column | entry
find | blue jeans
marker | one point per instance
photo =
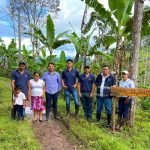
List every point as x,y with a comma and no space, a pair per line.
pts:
123,107
49,98
107,102
75,97
20,111
87,105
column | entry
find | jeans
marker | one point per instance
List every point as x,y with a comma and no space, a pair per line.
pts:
87,105
49,98
20,111
107,102
75,97
123,107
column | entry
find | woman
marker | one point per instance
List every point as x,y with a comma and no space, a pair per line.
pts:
36,93
124,101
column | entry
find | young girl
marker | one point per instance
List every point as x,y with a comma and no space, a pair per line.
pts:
19,102
36,92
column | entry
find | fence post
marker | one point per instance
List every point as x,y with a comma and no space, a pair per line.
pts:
114,114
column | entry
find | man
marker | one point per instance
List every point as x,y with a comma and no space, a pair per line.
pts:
86,88
53,86
104,81
21,78
69,83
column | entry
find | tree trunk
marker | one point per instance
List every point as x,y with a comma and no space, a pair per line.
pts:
137,23
133,66
76,58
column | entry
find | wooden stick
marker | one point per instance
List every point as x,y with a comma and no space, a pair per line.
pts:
113,114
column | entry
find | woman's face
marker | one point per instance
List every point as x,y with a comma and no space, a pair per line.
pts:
36,77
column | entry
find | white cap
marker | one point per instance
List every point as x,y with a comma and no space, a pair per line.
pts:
125,71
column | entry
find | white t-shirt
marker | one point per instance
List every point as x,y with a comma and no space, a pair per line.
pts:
126,84
102,85
19,98
36,87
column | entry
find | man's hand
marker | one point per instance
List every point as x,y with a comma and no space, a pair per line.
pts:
127,100
75,85
91,95
80,95
65,87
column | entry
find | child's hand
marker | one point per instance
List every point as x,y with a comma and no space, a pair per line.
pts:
24,106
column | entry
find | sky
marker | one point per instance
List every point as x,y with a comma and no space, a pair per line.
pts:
71,11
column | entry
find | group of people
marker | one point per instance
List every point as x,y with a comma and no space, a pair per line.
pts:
52,82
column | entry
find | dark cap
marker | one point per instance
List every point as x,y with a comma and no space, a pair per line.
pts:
69,60
87,67
22,63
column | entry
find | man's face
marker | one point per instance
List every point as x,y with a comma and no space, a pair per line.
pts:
124,76
87,70
51,67
69,64
105,71
22,67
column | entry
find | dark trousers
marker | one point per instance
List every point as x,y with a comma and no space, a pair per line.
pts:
123,107
49,99
20,111
87,105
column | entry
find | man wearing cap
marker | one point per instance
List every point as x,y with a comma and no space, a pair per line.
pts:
69,83
103,82
86,88
124,101
21,78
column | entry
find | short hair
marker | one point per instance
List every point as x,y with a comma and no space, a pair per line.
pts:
69,60
22,63
51,64
105,66
36,72
17,87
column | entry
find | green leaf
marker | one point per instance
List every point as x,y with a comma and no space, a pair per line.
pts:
62,57
50,31
59,43
43,52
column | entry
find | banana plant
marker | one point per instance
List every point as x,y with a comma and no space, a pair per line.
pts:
120,20
8,55
50,41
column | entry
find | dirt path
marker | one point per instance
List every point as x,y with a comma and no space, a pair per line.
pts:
51,136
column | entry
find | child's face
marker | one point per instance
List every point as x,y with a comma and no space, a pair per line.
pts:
17,91
36,77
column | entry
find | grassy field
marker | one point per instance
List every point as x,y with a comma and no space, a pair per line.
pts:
14,135
95,136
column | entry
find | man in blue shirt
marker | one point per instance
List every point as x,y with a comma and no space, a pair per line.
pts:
104,81
53,86
69,83
21,77
86,88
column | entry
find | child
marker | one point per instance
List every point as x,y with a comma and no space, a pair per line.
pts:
37,92
19,102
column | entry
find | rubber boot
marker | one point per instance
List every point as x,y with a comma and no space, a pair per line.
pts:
55,115
119,122
76,110
68,113
47,115
98,116
124,122
108,120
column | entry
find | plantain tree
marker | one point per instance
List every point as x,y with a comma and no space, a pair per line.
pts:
49,41
120,20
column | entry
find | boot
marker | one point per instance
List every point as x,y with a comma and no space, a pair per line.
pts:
109,120
124,122
76,110
119,122
47,115
68,113
98,116
55,115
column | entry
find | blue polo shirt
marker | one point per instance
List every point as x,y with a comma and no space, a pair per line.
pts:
21,80
86,83
69,77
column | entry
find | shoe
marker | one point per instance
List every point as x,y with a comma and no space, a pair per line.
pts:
98,116
40,120
68,113
109,120
76,110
